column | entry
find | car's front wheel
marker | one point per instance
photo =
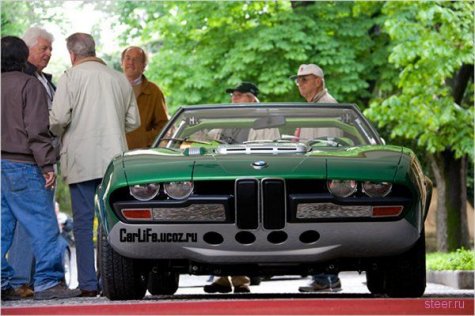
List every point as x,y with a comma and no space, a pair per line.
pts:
122,278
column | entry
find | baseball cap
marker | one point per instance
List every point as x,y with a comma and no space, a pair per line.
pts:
309,69
245,87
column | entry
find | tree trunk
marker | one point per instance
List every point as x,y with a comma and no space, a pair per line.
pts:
450,175
460,82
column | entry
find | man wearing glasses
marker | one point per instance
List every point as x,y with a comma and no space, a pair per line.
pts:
311,84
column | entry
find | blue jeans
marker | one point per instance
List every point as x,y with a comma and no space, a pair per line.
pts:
26,200
21,259
82,200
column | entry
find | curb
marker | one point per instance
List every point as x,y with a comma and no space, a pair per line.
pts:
457,279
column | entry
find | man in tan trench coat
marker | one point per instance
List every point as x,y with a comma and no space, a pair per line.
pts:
94,106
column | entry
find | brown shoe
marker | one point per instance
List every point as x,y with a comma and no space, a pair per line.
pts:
24,291
87,293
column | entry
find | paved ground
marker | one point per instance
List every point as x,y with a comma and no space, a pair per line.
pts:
265,299
278,296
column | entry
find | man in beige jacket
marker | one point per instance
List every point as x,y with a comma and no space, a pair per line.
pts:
93,108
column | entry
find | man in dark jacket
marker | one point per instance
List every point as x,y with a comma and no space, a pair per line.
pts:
20,255
27,160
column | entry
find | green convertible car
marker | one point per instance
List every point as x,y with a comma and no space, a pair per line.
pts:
263,189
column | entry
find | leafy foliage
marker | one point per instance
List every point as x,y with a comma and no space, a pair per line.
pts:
461,259
430,42
17,16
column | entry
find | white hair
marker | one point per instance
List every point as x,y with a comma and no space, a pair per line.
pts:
33,33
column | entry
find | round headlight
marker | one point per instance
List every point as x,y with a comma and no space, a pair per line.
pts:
144,192
178,190
377,189
342,188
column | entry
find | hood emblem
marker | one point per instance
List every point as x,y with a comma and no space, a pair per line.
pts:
260,164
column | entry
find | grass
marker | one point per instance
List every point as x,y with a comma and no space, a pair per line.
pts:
462,259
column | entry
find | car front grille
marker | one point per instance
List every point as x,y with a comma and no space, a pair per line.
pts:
260,200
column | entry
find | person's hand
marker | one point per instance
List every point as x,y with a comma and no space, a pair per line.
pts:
50,178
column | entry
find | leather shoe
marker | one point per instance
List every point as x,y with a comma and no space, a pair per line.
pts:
59,291
10,295
87,293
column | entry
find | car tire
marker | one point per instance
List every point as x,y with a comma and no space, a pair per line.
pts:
162,282
404,275
122,278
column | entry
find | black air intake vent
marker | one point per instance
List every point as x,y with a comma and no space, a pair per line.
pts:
273,203
247,203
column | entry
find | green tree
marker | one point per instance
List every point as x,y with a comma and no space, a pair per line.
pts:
17,16
200,48
432,100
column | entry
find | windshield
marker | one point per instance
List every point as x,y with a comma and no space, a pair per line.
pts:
325,126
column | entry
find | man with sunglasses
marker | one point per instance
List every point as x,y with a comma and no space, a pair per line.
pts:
311,84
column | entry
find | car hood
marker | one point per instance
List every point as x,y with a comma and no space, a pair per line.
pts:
369,162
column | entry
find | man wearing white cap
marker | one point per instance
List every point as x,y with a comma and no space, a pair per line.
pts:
311,84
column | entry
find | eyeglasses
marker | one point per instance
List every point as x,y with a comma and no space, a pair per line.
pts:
302,79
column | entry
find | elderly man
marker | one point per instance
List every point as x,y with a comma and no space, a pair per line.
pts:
311,84
93,108
20,255
150,99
